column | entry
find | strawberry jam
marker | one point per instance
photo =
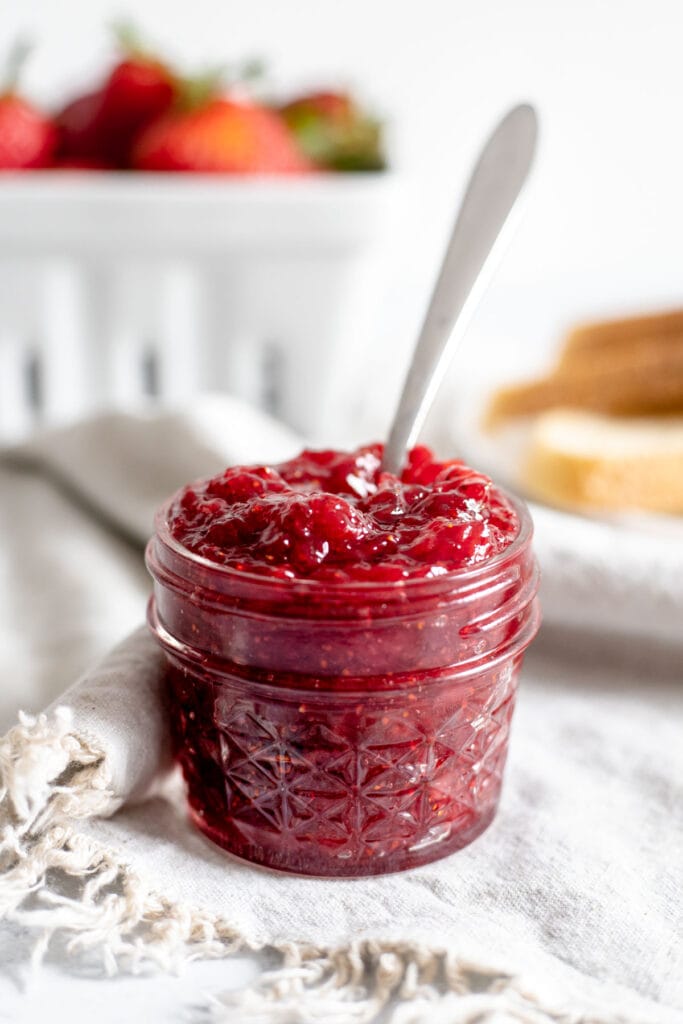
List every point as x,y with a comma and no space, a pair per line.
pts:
343,648
334,517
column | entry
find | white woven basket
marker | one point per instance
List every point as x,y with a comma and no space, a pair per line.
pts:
114,286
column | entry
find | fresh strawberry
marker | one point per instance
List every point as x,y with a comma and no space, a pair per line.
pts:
102,125
81,133
335,132
137,91
27,137
222,135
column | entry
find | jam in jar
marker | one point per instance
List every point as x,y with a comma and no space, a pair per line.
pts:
343,651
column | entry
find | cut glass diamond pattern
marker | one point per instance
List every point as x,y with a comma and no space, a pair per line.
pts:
379,785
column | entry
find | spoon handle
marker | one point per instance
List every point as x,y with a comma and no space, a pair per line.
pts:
494,185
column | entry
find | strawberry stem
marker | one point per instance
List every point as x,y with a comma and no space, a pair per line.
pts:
197,90
250,70
14,64
129,41
127,38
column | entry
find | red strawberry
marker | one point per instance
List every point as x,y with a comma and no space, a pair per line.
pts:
222,135
81,135
137,91
27,137
335,132
102,125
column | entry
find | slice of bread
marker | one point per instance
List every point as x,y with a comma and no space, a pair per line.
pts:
605,338
628,367
644,386
586,461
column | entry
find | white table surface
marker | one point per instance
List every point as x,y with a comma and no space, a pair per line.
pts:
57,994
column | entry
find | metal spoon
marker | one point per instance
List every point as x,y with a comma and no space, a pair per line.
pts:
470,257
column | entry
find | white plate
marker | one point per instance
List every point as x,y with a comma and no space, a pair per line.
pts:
620,573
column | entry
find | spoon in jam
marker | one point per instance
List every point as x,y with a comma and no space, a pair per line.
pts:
475,243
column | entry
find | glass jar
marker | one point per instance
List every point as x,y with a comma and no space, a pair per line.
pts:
342,729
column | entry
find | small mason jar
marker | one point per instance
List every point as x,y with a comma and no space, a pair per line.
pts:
342,729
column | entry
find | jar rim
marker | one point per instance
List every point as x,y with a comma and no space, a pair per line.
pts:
418,584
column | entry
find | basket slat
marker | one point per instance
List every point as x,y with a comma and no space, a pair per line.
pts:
115,288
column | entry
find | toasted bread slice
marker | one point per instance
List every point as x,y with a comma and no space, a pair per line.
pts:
610,338
581,460
624,367
647,385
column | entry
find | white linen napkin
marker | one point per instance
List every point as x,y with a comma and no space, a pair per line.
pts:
567,908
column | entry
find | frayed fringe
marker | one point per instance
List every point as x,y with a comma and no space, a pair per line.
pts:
49,779
62,884
358,983
48,776
117,917
47,772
